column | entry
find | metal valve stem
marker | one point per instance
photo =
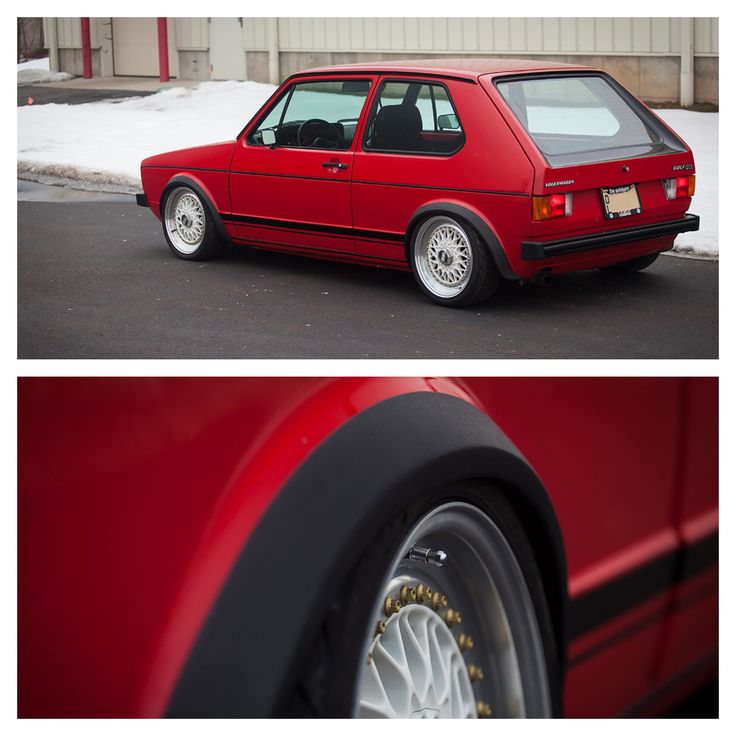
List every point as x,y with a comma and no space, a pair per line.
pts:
431,556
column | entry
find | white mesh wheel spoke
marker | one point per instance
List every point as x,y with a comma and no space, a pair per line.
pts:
443,256
415,670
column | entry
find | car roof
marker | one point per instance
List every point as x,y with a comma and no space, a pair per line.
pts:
470,69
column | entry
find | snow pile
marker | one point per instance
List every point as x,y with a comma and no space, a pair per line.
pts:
103,143
99,145
700,132
34,64
37,70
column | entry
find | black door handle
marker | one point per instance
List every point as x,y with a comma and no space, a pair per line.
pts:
334,165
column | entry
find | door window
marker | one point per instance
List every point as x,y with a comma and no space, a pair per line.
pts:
315,115
414,117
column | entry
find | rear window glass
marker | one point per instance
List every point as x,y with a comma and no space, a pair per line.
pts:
577,120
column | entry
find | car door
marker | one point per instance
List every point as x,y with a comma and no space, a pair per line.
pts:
290,173
410,154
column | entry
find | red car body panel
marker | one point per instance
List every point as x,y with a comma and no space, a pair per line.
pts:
136,496
206,165
283,198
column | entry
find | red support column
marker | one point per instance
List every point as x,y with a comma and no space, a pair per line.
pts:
86,50
163,50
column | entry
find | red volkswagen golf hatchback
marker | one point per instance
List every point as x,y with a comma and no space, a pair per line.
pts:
464,171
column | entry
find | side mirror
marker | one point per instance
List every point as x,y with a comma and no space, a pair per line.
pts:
268,136
448,122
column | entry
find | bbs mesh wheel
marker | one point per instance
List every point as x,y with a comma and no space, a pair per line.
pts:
459,626
188,225
451,264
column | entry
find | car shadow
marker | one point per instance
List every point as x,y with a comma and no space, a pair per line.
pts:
579,288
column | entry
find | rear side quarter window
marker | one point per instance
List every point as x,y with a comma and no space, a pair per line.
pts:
412,116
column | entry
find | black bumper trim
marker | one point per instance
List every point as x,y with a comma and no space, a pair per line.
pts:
140,200
534,251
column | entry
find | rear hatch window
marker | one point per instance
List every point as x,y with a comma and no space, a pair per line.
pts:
584,119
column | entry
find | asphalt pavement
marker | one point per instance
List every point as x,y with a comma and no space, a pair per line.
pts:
60,94
97,280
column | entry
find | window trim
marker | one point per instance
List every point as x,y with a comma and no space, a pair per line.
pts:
409,80
288,91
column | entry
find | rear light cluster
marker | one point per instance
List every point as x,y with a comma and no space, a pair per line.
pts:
551,205
680,186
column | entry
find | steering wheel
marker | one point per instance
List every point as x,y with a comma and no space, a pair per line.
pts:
325,133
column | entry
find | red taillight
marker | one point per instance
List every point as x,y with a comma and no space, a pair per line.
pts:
680,186
551,205
556,205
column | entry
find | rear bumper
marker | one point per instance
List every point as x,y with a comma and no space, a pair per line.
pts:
140,200
538,250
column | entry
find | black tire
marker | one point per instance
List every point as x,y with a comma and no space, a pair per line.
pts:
635,264
326,683
208,243
479,285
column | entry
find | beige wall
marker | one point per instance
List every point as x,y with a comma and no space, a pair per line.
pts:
483,35
643,53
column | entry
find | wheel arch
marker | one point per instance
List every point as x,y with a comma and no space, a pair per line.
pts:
257,634
472,217
201,189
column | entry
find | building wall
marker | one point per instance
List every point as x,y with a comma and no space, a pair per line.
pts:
643,53
512,36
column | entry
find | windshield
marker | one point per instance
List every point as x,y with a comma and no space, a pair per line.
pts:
584,119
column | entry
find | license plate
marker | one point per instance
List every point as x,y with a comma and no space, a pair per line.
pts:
620,201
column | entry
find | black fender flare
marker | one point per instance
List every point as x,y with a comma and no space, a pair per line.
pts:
481,226
258,633
180,179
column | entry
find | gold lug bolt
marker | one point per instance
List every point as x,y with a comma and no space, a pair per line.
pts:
407,595
424,594
475,673
465,642
484,710
452,617
370,658
439,601
380,627
390,606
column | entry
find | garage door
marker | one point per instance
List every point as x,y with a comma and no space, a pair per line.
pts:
135,47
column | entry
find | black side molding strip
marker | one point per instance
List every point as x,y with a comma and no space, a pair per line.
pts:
349,232
140,200
537,250
595,608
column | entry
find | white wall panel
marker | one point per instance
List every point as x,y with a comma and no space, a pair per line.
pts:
568,33
706,35
620,36
69,33
192,34
603,41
